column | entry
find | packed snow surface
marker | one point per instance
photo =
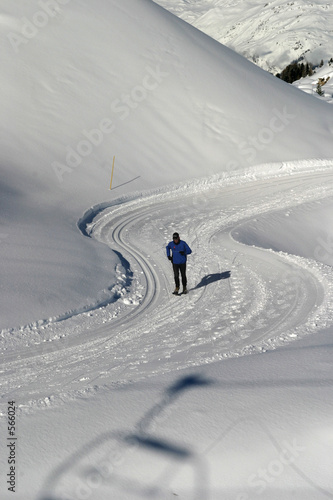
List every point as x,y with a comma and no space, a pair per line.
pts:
111,387
156,380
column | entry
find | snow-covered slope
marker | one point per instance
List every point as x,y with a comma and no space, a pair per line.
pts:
147,395
154,401
322,76
272,34
82,84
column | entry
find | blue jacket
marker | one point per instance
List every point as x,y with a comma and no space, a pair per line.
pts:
177,257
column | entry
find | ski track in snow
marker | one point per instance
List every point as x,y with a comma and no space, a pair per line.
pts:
241,299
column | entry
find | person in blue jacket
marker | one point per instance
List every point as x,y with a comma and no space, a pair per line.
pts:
177,251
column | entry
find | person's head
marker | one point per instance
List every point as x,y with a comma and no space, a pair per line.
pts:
175,237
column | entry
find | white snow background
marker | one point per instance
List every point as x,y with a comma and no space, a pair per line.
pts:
123,390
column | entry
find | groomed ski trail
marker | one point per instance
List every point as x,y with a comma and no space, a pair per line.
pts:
241,299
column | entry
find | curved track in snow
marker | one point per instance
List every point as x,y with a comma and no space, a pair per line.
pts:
241,299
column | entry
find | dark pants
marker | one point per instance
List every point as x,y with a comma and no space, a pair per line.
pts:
182,269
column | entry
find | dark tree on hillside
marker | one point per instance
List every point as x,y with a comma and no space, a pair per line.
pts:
309,70
295,71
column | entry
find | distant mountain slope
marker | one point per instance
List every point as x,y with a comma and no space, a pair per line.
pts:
272,33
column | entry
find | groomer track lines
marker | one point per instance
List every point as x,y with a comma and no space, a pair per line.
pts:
242,298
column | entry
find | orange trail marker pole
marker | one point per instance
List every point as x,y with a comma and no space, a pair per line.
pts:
112,172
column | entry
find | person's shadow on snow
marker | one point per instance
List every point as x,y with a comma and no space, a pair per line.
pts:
211,278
